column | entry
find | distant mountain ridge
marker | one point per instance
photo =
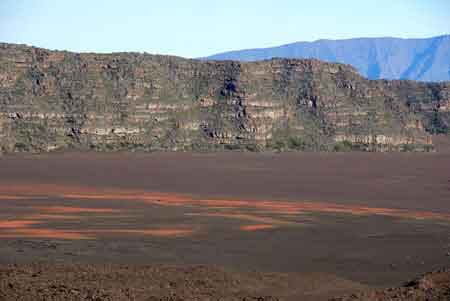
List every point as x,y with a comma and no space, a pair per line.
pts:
375,58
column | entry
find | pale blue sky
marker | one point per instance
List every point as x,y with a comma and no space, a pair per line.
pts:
194,28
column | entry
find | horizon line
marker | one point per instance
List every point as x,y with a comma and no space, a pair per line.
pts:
217,53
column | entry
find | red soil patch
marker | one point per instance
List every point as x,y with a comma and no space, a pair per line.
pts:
13,224
256,227
39,216
64,209
16,229
44,233
150,232
246,217
167,199
12,197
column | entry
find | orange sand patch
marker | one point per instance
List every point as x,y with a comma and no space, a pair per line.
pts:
265,214
13,197
64,209
13,224
44,233
246,217
89,234
149,232
169,199
256,227
39,216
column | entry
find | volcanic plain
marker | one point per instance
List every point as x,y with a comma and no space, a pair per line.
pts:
205,226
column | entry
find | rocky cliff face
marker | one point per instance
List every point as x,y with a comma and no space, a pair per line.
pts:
56,100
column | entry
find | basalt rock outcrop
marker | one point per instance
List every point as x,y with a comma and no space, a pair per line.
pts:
52,100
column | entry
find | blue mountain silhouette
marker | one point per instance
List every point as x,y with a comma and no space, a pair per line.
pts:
376,58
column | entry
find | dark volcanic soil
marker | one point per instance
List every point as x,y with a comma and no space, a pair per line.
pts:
399,180
364,219
432,286
158,282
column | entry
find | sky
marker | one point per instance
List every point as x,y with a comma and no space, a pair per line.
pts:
196,28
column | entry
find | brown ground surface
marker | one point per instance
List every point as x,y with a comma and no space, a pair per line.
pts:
442,143
162,282
432,286
364,220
